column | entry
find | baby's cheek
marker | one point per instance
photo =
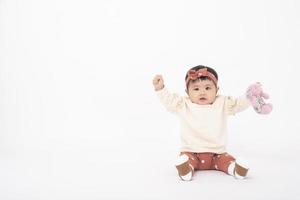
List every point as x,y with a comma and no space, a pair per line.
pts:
193,96
213,96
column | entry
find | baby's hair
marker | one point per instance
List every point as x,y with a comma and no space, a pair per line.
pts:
211,70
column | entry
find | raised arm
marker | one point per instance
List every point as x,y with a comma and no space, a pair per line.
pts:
172,102
235,105
254,97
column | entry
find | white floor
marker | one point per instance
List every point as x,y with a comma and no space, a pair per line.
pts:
139,165
79,118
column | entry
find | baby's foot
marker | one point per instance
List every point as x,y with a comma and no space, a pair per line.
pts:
238,170
185,170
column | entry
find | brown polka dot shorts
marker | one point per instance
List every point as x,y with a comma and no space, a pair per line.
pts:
210,161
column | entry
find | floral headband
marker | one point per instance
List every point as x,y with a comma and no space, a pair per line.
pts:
195,74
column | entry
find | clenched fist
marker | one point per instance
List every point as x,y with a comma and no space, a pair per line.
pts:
158,82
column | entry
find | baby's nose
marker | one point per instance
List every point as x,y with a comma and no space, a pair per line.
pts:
202,91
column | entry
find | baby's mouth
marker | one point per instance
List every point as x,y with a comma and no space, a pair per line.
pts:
202,99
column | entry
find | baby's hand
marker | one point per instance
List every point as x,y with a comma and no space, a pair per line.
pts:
158,82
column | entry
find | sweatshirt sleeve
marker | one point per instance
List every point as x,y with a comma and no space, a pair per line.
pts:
236,105
172,102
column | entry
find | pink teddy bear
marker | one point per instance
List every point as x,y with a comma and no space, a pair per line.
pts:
256,97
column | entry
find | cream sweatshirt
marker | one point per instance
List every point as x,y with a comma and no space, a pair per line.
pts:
203,128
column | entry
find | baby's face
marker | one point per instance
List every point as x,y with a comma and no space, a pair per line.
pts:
202,92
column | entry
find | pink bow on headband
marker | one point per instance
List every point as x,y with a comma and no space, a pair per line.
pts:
193,75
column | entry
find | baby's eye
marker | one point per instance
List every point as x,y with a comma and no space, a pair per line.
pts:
208,88
196,89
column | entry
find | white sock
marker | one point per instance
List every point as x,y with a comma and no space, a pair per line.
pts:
242,163
188,176
231,169
180,160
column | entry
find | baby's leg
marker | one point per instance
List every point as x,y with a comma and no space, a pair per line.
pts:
192,159
228,164
199,161
185,167
222,162
187,162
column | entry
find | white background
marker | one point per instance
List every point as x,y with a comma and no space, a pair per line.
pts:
79,118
